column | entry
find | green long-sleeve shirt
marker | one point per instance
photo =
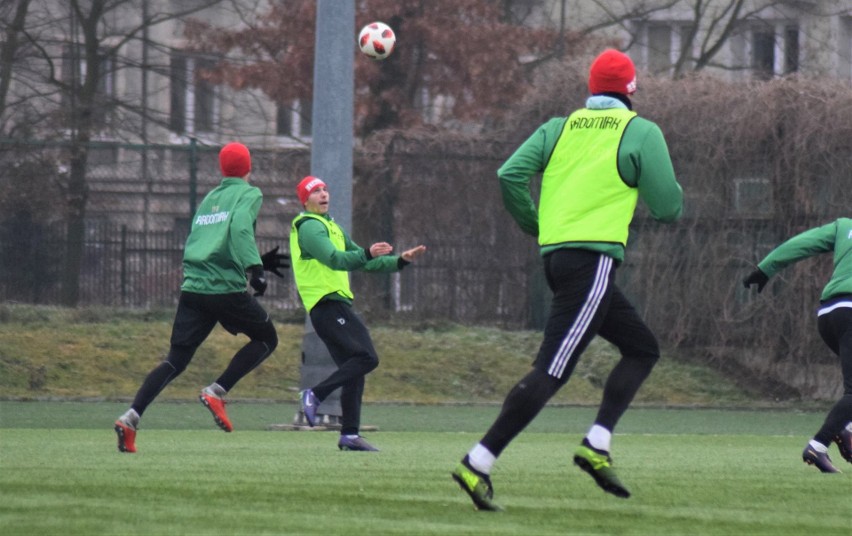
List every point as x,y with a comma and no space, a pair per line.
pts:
643,162
835,237
316,244
221,244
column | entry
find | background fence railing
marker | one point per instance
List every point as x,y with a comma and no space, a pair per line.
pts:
121,267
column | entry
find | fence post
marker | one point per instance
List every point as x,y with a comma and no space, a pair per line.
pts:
124,264
193,176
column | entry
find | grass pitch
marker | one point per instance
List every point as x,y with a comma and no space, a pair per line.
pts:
690,472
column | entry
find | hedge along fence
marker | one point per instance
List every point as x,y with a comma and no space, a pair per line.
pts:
758,163
761,162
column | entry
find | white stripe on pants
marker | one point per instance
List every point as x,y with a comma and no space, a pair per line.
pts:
584,318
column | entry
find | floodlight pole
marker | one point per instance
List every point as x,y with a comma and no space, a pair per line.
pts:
331,160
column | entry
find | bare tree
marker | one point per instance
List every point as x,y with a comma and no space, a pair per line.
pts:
9,47
75,48
457,60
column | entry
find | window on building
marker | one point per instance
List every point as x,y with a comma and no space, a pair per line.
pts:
763,54
774,50
193,100
435,109
791,49
662,43
659,48
845,48
75,69
294,119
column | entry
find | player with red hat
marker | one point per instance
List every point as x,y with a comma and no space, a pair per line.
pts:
220,250
323,255
595,164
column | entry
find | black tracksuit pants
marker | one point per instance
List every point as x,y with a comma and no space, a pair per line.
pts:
835,328
586,302
351,348
196,316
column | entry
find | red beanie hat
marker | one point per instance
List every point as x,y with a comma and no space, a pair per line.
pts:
612,72
306,186
235,160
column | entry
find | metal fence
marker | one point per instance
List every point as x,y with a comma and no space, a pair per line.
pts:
138,217
120,267
127,268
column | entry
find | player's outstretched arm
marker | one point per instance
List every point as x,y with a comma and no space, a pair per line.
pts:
411,254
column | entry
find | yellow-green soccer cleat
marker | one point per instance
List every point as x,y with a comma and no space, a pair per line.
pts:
599,466
477,486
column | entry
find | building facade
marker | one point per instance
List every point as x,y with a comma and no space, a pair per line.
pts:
149,104
736,40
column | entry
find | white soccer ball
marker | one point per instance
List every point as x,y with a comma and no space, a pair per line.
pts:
377,40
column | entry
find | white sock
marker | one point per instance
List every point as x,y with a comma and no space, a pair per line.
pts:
481,459
817,446
350,436
131,416
599,437
217,389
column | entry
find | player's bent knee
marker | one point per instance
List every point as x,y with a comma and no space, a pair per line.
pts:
648,351
268,336
652,357
371,362
178,358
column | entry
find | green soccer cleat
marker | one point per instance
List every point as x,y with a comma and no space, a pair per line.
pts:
477,486
599,466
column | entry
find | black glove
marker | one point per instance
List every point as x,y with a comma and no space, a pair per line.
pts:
272,261
257,281
757,277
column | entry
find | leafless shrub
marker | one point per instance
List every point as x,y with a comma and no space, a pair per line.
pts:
759,162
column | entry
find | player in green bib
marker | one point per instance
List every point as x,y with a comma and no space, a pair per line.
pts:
323,254
595,165
834,321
